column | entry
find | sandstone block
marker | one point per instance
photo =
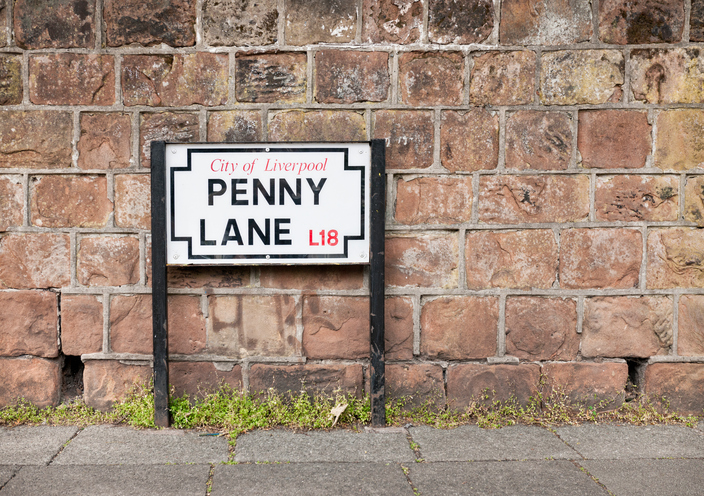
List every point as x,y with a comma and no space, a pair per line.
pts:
392,21
11,202
312,277
469,141
165,126
434,200
332,21
581,77
613,139
335,327
538,140
459,327
10,79
240,22
28,323
680,139
196,379
541,328
108,261
696,21
511,259
106,381
206,277
694,200
36,380
690,332
39,139
460,22
588,384
398,328
560,22
649,21
600,258
106,141
56,24
235,126
69,201
81,324
503,78
29,261
349,76
667,75
409,137
72,79
519,199
133,200
271,77
150,22
426,260
313,378
473,382
416,383
321,125
675,258
431,78
680,384
634,198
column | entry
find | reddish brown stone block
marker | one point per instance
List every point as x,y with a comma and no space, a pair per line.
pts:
392,21
150,22
613,139
511,259
322,125
473,382
464,22
431,78
409,137
166,126
10,79
253,325
196,379
33,379
29,261
11,202
107,381
426,260
329,21
36,140
671,75
588,384
106,141
434,200
416,384
54,24
271,77
318,277
313,378
519,199
72,79
544,22
675,258
469,141
343,76
541,328
538,140
459,327
634,198
690,332
133,201
69,201
81,324
679,384
693,200
28,323
205,277
240,22
648,21
398,328
600,258
235,126
336,327
503,78
108,261
680,139
696,21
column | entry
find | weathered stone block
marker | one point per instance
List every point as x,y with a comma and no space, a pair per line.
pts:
600,258
426,260
10,79
81,324
240,22
648,21
459,327
398,328
235,126
634,198
322,125
108,261
313,378
28,324
431,78
465,22
680,384
133,200
613,139
205,277
473,382
335,327
538,140
416,383
72,79
588,384
69,201
54,24
694,200
680,139
696,21
4,26
271,77
11,202
503,78
434,200
36,380
511,259
675,258
312,277
469,141
690,329
39,139
106,381
348,76
320,21
545,22
106,141
392,21
196,379
29,261
150,22
667,75
166,126
409,137
542,328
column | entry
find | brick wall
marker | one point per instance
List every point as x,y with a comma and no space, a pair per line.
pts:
544,193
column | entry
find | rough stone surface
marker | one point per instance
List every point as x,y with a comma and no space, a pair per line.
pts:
196,379
581,76
235,126
520,199
392,21
69,201
253,325
434,200
106,381
503,78
240,22
11,202
693,200
541,328
459,327
647,21
271,77
409,137
108,261
39,139
600,258
680,139
54,23
696,21
30,261
588,384
81,324
165,126
10,79
557,22
538,140
673,75
632,198
4,26
350,76
322,125
426,260
150,22
335,327
175,80
36,380
679,383
320,21
312,277
72,79
613,139
511,259
314,378
207,277
431,78
133,201
105,142
469,141
472,382
398,328
675,258
690,328
416,383
465,22
28,324
622,326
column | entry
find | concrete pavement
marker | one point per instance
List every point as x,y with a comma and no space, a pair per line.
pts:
520,460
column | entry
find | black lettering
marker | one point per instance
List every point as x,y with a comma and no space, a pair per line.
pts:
257,186
231,225
236,191
316,189
211,189
253,226
203,241
284,186
278,231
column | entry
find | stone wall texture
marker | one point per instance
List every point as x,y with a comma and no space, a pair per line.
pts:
545,178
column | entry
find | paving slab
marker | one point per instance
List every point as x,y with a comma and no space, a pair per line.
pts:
540,478
649,477
6,473
311,479
613,442
101,480
473,443
32,445
317,446
111,445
